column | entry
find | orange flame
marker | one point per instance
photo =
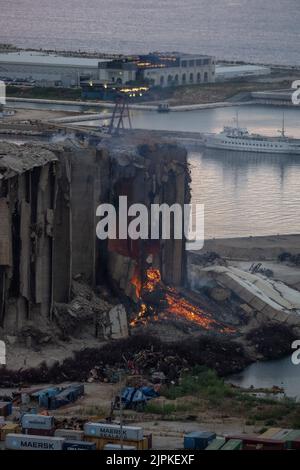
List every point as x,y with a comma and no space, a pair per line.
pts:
177,305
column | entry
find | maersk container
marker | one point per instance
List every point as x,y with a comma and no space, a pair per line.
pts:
31,421
25,442
118,447
113,431
198,440
79,445
69,434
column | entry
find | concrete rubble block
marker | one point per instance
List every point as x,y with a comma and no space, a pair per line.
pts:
219,294
118,324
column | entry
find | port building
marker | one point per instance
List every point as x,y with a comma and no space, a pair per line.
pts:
47,69
159,69
155,69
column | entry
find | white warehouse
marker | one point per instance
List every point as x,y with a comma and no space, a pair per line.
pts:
47,70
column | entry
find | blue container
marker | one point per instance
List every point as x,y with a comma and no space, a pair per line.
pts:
79,445
68,395
198,440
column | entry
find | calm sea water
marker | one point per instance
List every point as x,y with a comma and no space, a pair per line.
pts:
282,373
257,30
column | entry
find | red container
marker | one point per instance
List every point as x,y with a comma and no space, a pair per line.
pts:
259,443
4,409
38,432
296,444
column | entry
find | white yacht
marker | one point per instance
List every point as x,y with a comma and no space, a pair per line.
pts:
239,138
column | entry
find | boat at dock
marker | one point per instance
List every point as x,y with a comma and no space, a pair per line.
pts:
239,138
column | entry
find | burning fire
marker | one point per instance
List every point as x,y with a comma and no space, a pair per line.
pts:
175,303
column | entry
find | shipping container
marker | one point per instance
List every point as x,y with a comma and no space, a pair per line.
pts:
32,421
23,442
79,445
270,433
280,435
198,440
45,395
233,444
101,442
113,431
149,438
118,447
292,438
38,432
295,444
259,443
216,444
9,428
69,434
5,408
67,396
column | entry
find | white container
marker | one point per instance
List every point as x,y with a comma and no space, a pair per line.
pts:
31,421
113,431
25,442
118,447
69,434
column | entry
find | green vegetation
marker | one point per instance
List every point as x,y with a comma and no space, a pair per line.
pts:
202,390
47,93
201,382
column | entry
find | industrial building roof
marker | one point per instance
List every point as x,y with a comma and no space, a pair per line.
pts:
17,159
220,69
40,58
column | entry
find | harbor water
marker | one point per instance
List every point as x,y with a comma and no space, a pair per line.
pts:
243,193
281,373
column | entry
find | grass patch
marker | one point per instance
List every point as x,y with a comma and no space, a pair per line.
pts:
201,382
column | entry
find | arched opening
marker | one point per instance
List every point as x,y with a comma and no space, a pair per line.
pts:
176,78
119,81
162,80
199,77
183,78
170,79
191,77
206,77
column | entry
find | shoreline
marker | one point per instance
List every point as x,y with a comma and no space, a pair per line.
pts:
6,47
260,248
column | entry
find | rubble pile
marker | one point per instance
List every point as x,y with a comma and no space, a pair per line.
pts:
86,311
289,258
138,354
272,341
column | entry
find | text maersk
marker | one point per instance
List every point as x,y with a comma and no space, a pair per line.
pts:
154,459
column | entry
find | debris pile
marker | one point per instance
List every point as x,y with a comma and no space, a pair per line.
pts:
137,354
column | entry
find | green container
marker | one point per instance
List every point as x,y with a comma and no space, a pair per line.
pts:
290,437
216,444
233,444
281,435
